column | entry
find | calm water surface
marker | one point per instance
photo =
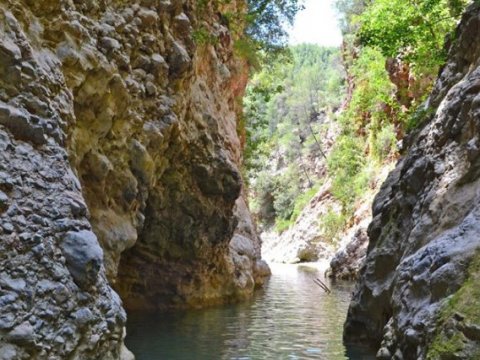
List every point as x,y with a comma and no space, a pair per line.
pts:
292,318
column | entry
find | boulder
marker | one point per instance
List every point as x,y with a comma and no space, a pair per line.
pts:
83,255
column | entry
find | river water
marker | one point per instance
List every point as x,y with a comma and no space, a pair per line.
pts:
291,318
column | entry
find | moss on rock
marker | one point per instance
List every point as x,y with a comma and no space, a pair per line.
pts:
460,314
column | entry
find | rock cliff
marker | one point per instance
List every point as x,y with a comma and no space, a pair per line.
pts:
302,241
416,297
119,166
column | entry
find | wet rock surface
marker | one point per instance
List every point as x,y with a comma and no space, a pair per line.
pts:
119,159
424,232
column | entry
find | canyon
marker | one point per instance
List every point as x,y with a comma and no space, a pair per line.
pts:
121,186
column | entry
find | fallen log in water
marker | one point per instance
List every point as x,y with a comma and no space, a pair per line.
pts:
322,285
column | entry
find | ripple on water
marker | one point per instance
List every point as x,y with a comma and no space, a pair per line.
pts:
291,318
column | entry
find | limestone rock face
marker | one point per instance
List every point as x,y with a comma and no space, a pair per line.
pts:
303,242
245,249
118,135
426,221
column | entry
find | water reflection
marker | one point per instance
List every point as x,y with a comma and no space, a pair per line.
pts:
292,318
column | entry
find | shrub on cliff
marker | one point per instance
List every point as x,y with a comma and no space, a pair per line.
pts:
414,29
383,99
373,91
345,165
259,29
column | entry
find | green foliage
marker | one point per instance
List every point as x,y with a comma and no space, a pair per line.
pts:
266,22
275,196
373,92
383,143
246,48
259,32
261,203
348,11
332,224
418,117
300,201
201,36
286,191
283,224
287,99
303,199
282,109
345,164
374,118
465,302
282,99
447,347
414,29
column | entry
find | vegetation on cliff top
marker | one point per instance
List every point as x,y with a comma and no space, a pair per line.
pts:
259,30
414,30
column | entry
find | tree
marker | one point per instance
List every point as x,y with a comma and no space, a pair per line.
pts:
267,19
413,29
348,11
282,106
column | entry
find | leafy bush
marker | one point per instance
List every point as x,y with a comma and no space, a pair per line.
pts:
413,29
345,163
259,30
247,49
384,142
201,36
275,196
266,22
286,192
302,200
373,93
332,224
262,202
418,117
283,224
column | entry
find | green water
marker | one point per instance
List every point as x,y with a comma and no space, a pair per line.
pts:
292,318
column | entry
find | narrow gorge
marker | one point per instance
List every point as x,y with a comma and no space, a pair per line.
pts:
153,151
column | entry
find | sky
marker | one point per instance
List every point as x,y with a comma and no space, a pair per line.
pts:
317,24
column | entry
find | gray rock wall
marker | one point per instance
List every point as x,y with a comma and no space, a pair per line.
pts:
425,227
